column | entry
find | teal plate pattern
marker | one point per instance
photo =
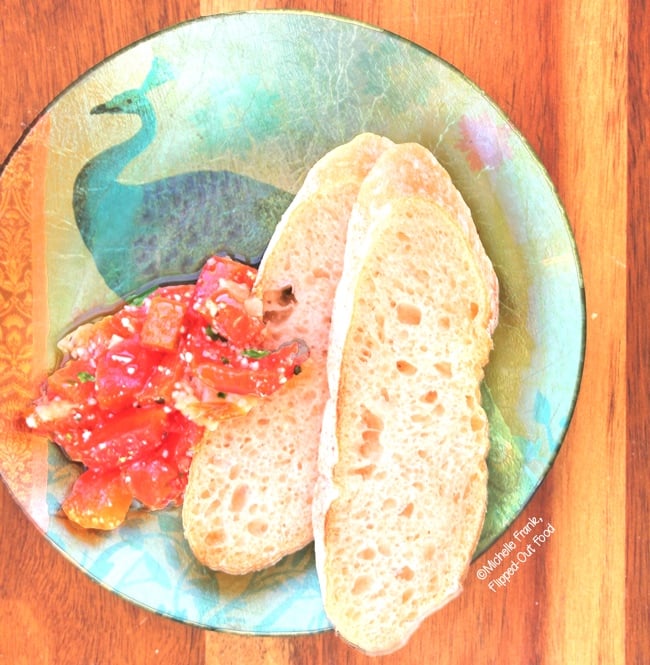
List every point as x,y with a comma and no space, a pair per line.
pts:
193,141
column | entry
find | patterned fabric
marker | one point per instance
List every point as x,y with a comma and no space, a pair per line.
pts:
23,316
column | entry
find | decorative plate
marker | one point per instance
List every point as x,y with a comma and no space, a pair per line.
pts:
194,140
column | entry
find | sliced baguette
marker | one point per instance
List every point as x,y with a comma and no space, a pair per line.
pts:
401,493
248,500
406,169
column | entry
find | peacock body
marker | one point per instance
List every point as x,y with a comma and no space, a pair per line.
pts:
153,231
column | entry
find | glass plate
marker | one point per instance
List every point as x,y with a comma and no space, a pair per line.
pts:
194,140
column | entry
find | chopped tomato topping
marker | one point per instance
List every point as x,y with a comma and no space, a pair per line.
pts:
254,372
98,500
73,382
155,481
162,382
126,436
122,372
164,323
221,292
137,387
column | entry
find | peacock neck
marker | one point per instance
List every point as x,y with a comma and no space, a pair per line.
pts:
106,167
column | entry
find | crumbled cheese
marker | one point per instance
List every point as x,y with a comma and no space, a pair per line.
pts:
212,308
115,339
118,358
127,323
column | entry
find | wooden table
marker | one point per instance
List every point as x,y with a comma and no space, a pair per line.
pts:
559,70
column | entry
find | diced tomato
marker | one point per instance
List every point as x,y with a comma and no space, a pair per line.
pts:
201,346
155,481
160,478
233,324
73,382
124,323
98,500
258,373
122,371
183,436
68,409
215,276
181,293
125,436
231,379
222,288
163,324
160,385
69,438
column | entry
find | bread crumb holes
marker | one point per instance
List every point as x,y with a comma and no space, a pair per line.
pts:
257,527
361,585
409,314
405,367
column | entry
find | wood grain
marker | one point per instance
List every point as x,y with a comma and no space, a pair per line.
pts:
638,342
559,70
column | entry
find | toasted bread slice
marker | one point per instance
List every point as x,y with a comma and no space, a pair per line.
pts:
248,500
402,488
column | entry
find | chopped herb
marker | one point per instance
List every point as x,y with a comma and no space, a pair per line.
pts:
224,360
222,395
214,335
85,377
255,353
139,298
297,369
159,400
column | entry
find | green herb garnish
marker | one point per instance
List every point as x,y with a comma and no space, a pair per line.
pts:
255,353
139,298
85,377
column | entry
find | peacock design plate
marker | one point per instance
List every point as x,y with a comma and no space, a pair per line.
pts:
194,140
